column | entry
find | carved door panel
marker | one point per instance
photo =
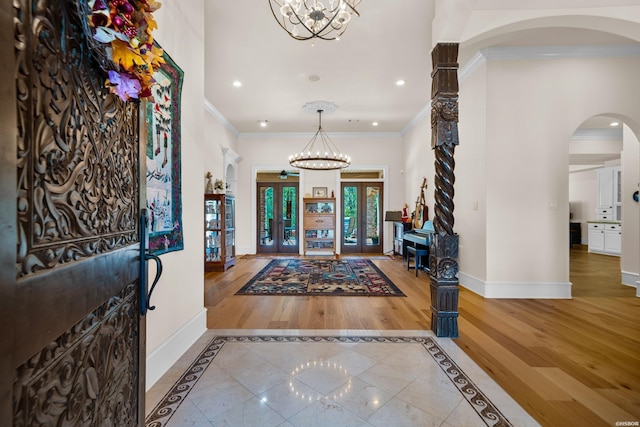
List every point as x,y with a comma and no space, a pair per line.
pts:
71,348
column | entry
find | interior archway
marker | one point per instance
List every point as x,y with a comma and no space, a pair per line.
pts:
597,148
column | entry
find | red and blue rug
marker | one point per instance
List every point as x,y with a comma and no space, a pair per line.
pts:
346,277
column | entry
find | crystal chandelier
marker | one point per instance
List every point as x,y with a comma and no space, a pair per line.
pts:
320,153
306,19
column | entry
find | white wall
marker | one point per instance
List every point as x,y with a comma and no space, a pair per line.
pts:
524,112
271,152
217,137
418,163
180,318
471,179
630,262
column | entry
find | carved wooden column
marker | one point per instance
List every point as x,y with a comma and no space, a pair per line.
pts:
443,259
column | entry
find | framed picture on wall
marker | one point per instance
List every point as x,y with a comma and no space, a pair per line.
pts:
163,159
319,192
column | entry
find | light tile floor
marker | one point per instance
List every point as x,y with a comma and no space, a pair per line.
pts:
329,383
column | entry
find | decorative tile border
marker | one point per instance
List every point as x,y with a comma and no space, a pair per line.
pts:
169,404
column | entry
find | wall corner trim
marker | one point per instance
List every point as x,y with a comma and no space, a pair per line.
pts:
174,347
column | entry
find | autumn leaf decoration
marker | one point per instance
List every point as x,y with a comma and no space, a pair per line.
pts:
126,27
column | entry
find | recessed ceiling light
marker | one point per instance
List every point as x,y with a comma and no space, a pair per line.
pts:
614,123
237,83
374,124
400,82
263,123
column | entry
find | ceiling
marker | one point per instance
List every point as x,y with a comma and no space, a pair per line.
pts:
358,73
391,40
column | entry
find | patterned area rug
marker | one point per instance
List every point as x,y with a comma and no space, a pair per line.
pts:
345,277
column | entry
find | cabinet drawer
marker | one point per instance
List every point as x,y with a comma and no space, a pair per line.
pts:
612,227
604,217
608,211
318,222
596,226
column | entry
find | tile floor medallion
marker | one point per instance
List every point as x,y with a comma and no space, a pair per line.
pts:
352,380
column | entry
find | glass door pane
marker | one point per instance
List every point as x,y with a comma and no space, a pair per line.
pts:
289,198
350,216
266,215
374,219
230,228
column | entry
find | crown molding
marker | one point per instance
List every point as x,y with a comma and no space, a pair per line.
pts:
208,106
416,119
471,66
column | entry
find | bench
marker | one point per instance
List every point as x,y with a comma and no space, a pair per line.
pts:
417,254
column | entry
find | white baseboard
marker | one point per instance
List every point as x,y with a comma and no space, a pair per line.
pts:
515,290
638,288
175,346
630,279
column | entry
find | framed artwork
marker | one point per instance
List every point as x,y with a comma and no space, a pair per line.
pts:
319,192
164,186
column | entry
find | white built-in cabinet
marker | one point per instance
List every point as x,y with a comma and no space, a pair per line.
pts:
612,239
605,238
609,194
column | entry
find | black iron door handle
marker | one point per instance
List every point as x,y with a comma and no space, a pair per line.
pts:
145,291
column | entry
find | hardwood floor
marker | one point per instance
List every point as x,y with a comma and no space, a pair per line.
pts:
566,362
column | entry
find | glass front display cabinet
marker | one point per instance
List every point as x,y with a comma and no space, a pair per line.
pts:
219,234
319,226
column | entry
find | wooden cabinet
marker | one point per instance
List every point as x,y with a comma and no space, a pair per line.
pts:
605,238
319,226
220,232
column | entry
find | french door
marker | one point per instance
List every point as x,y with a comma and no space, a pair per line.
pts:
362,217
277,217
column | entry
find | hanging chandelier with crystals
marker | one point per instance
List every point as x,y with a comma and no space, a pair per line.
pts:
320,153
307,19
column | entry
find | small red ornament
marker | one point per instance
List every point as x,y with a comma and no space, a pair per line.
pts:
118,21
126,8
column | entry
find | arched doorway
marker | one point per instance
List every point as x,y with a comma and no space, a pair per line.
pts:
603,176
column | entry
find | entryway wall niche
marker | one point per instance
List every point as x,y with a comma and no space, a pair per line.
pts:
231,160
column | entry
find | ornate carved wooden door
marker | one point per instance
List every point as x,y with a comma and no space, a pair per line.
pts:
71,347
